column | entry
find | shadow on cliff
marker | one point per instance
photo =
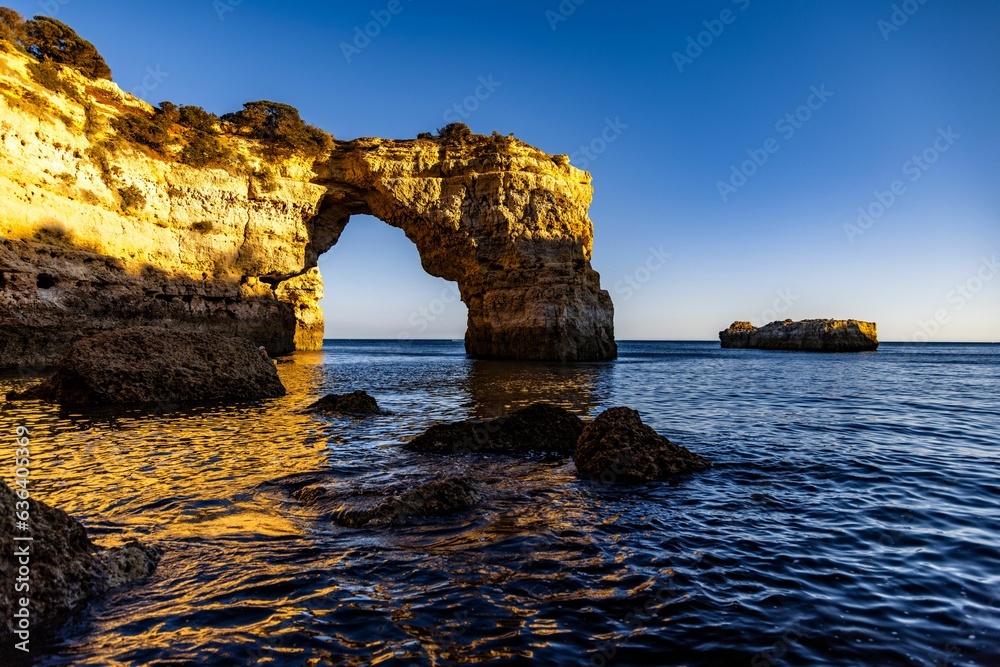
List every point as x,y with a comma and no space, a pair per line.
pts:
54,292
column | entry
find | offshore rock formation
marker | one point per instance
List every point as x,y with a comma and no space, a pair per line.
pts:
617,448
91,238
67,569
806,336
151,365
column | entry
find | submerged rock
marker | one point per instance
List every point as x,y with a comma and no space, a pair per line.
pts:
152,364
66,568
618,448
540,427
364,507
355,403
805,336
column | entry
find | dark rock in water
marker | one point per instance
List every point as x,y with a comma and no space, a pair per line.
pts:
537,428
805,336
618,448
151,364
355,403
358,508
67,569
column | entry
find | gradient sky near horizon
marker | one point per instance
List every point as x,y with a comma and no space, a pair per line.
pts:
681,259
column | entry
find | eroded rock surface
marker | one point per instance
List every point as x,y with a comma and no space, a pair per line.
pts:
805,336
67,569
151,364
617,448
539,428
93,238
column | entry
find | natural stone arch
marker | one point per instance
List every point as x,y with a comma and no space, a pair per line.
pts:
505,221
232,248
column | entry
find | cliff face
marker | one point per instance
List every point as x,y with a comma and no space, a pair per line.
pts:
92,239
806,336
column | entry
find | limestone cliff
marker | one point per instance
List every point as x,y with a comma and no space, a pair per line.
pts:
806,336
93,237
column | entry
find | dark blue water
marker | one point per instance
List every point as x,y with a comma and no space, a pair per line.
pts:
852,516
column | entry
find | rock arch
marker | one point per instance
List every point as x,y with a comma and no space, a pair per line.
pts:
233,249
505,221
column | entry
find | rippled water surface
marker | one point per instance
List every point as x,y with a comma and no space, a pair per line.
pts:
852,516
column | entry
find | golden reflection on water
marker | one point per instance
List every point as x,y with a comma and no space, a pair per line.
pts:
190,478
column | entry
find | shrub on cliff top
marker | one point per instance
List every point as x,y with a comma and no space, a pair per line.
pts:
280,127
50,40
11,26
196,118
458,132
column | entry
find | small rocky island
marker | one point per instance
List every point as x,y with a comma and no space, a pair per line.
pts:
803,336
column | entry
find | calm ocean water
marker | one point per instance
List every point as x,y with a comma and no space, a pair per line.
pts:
852,516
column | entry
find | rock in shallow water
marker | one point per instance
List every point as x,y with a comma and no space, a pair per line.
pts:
540,427
355,403
67,569
152,364
617,448
363,507
804,336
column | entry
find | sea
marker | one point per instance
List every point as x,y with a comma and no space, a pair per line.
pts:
851,515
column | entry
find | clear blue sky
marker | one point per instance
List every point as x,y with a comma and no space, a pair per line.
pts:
892,90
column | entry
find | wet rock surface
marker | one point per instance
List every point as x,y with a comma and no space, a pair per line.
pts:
539,428
153,364
66,568
354,403
617,448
